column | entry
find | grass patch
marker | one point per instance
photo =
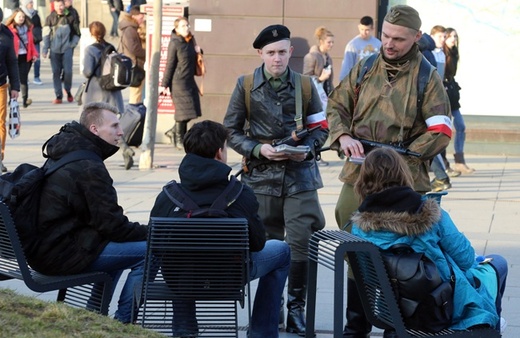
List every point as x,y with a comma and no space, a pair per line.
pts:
24,316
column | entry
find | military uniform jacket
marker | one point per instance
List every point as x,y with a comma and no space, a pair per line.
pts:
272,118
387,112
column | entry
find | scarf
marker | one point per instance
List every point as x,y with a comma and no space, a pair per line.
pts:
396,199
29,12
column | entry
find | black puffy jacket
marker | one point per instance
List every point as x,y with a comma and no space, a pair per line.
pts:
79,213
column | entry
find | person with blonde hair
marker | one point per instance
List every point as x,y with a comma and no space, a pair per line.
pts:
318,64
179,79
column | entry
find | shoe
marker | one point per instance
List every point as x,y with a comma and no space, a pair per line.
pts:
4,170
57,101
128,158
27,103
503,325
452,173
70,98
440,185
463,168
323,163
37,81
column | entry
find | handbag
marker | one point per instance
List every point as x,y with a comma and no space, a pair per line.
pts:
78,97
15,123
200,66
138,75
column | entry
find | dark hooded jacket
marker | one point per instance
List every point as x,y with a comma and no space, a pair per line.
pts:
426,46
401,215
79,213
8,59
204,179
179,76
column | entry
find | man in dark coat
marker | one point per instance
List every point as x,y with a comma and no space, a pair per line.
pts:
81,226
285,184
204,175
8,70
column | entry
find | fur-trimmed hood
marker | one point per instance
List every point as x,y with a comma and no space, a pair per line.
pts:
384,211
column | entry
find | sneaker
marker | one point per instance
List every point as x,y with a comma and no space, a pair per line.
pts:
70,98
503,325
57,101
128,154
452,173
4,169
27,103
323,163
37,81
440,185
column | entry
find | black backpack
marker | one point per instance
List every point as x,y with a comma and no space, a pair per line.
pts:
217,209
116,68
426,302
21,191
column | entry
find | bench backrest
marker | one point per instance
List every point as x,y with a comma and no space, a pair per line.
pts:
13,263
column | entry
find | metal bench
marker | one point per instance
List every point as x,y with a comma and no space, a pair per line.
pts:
328,248
205,260
76,290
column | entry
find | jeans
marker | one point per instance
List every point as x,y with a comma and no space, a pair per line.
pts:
115,22
271,265
37,62
500,265
61,63
438,167
114,259
460,131
24,68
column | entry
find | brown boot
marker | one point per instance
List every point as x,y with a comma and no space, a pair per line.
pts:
460,164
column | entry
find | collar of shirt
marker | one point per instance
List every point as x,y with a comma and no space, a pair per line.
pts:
276,82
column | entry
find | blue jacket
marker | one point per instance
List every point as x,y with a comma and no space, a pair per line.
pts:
400,215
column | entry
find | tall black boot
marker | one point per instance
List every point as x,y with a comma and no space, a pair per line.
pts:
170,133
180,131
357,324
296,296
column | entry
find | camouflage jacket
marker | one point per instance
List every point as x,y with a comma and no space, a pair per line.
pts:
386,112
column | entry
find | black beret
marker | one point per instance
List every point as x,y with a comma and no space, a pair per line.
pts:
271,34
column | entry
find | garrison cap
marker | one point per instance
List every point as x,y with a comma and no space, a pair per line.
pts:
403,15
271,34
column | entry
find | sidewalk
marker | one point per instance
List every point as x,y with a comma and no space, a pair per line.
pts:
485,205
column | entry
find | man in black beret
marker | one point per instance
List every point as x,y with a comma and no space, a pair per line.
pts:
276,102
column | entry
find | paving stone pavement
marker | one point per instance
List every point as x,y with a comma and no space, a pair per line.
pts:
485,205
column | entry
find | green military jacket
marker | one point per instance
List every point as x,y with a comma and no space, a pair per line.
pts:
386,112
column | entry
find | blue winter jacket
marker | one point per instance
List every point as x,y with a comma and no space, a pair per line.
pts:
429,229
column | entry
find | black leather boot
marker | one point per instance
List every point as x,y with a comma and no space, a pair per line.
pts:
296,296
170,133
357,324
180,131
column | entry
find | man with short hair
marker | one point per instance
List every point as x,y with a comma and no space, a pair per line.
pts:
81,226
204,176
285,184
360,47
384,108
61,35
9,76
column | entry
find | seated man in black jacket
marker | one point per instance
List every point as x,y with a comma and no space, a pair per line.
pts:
204,175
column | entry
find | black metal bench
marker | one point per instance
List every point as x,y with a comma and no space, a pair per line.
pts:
75,290
205,260
328,248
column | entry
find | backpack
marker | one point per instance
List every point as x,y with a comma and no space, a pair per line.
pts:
21,191
217,209
426,302
116,68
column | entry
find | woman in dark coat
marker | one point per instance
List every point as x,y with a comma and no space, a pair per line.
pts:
179,79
